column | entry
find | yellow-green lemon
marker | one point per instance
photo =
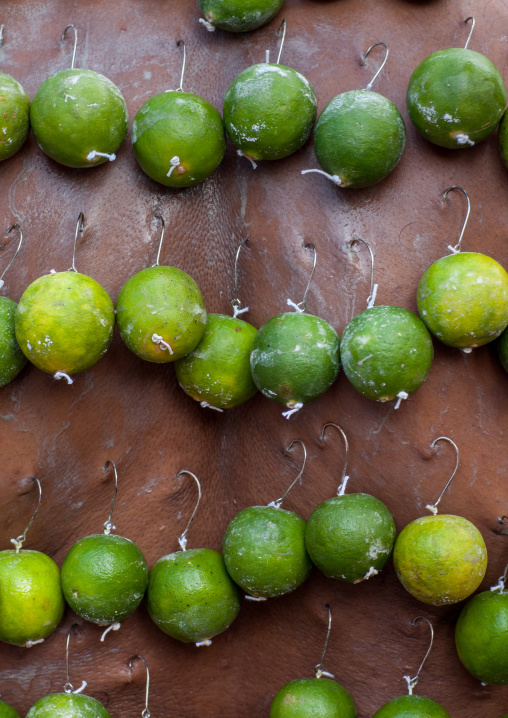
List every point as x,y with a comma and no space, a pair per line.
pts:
239,15
12,359
313,698
14,116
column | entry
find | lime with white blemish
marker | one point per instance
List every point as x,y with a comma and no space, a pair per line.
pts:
161,314
463,299
217,371
12,359
359,138
67,705
386,353
64,322
269,111
238,15
295,358
309,697
178,138
7,711
14,116
456,98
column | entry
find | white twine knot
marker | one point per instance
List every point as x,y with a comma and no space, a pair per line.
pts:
174,162
206,405
401,396
81,688
109,526
1,283
164,346
432,509
114,627
463,139
63,375
334,178
182,542
372,297
206,642
342,488
454,250
242,154
255,598
18,543
320,673
53,271
29,643
369,86
297,407
498,587
297,308
93,154
237,311
466,350
208,25
411,683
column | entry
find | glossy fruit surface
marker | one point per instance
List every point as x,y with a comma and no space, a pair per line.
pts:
313,698
456,98
239,15
463,299
64,322
12,359
160,302
411,707
31,601
269,111
360,137
104,578
7,711
440,559
217,371
295,358
350,537
386,350
78,114
178,138
67,705
502,349
503,139
190,595
264,551
481,637
14,116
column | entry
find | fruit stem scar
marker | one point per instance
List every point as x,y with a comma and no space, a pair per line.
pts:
174,163
255,598
114,627
164,346
401,396
208,25
206,405
242,154
206,642
94,153
63,375
289,414
334,178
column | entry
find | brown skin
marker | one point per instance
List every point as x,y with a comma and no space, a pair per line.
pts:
134,412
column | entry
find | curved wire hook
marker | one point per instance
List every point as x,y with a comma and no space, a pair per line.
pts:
18,542
145,713
2,35
277,504
369,86
236,303
303,304
411,682
282,34
456,249
182,540
471,31
68,687
433,507
163,228
342,486
320,671
373,287
13,226
181,43
80,227
75,42
109,525
500,585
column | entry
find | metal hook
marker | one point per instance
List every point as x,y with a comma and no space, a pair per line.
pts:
163,227
80,226
456,249
13,226
433,507
236,303
145,713
2,35
320,667
281,33
411,682
303,304
18,542
179,44
373,287
68,687
108,525
369,86
277,504
182,540
471,31
75,42
342,487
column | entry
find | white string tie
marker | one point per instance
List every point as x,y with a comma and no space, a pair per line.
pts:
93,154
206,405
81,688
63,375
401,396
342,488
242,154
372,297
334,178
298,309
237,311
255,598
29,643
289,414
206,642
164,346
174,162
114,627
208,25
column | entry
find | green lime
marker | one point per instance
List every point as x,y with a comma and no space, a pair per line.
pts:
14,116
67,705
31,601
64,322
440,559
79,118
264,551
7,711
157,308
503,139
239,15
217,372
359,138
178,138
481,637
104,578
350,537
456,98
12,359
191,596
411,707
502,349
295,358
313,698
269,111
386,353
463,299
